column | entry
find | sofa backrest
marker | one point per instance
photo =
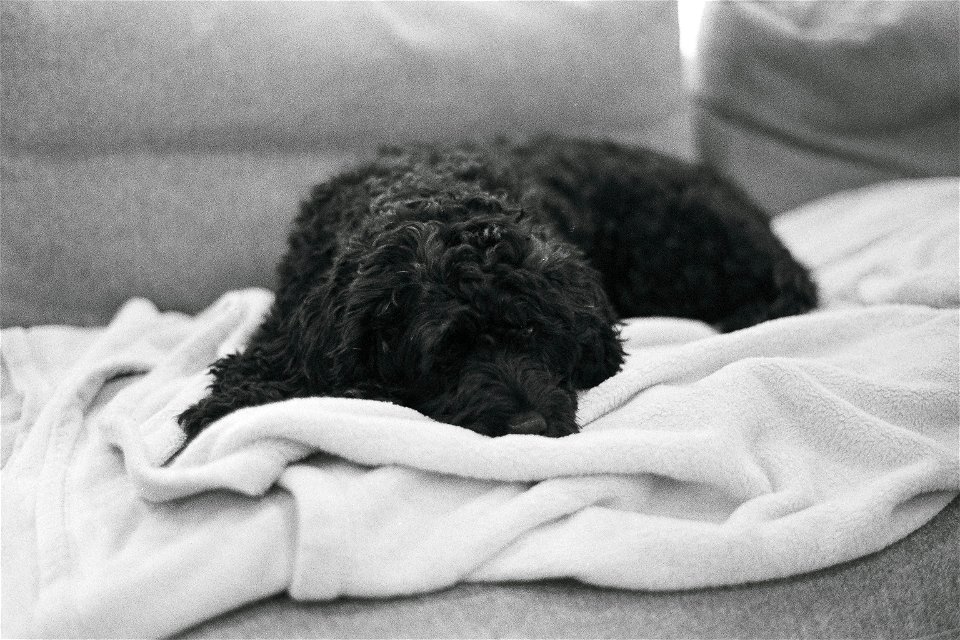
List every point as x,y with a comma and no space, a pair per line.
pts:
304,75
159,149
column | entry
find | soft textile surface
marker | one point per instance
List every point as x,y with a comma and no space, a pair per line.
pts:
895,242
796,100
159,149
176,228
282,75
709,460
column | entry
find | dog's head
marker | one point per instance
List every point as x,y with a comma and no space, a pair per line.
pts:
467,312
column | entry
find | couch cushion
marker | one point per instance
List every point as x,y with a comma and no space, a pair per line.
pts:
796,100
82,234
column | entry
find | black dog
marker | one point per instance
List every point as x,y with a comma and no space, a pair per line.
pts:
481,284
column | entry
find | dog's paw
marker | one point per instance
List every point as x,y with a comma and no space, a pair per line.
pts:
200,416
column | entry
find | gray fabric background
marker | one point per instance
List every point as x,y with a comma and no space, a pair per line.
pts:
797,100
295,75
160,149
81,234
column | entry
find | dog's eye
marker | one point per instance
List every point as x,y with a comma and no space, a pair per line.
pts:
524,332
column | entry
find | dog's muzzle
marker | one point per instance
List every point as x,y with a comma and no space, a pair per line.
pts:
506,394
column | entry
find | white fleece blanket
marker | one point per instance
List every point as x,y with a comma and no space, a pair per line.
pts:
709,460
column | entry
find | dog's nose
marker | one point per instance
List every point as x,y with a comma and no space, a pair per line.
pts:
530,422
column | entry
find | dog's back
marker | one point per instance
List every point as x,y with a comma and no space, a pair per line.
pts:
669,238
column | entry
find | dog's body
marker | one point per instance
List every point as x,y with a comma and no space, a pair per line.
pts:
481,285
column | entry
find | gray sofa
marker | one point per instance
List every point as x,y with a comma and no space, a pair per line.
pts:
158,150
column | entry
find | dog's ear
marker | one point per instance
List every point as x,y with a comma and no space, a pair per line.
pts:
599,346
588,313
337,320
599,351
331,324
326,339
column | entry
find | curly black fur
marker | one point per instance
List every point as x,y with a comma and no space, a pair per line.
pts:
481,284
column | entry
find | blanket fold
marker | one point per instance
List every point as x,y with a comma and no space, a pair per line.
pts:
708,460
